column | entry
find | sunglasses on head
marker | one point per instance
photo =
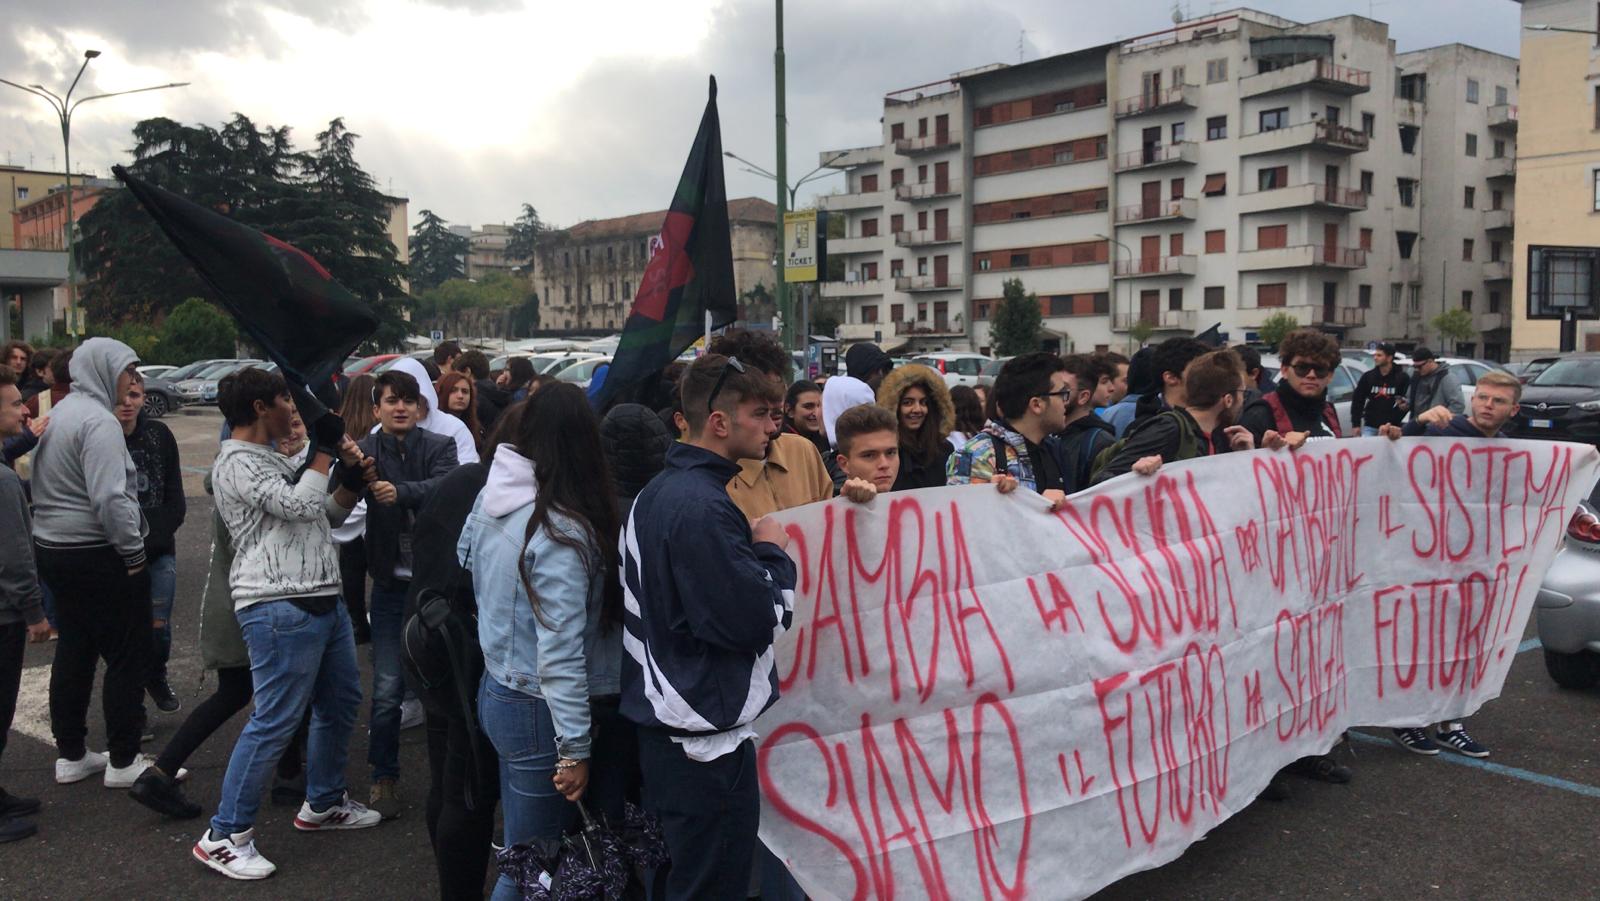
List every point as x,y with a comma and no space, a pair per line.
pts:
733,365
1305,370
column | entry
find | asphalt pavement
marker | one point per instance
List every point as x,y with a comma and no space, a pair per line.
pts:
1522,824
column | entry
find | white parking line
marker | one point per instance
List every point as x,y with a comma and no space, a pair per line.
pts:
33,705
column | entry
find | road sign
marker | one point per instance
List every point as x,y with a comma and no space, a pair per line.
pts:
436,336
800,246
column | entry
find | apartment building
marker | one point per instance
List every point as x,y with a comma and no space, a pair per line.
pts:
1219,172
586,275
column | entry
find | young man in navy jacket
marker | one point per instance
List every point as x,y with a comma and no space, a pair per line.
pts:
705,591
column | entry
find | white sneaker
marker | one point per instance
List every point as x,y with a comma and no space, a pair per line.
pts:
346,814
411,714
124,777
70,771
234,856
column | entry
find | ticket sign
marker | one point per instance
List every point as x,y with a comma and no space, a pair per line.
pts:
801,246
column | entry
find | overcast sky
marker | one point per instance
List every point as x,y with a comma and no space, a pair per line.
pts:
585,110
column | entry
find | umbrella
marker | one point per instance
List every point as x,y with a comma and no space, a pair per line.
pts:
594,863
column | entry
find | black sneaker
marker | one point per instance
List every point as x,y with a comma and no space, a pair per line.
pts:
13,806
162,695
157,791
15,829
1454,736
1276,790
1323,768
1416,741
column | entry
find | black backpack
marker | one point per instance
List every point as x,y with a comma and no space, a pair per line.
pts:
440,646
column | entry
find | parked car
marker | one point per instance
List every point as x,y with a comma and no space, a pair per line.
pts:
1340,390
364,365
1562,402
957,368
1533,367
1567,607
161,396
565,361
192,387
208,382
1469,371
157,370
581,372
990,370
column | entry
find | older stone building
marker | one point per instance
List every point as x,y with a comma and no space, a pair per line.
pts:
586,275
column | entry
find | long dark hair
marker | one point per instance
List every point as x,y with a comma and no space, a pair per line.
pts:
356,410
969,410
560,436
447,383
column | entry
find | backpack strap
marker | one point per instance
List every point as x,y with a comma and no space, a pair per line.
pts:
1280,416
1086,458
1331,417
1000,446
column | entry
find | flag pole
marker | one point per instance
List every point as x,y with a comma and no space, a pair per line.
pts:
707,348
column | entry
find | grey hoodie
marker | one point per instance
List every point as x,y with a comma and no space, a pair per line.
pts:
1440,388
84,484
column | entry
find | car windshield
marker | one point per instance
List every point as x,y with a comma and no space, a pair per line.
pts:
1584,373
355,366
216,370
185,372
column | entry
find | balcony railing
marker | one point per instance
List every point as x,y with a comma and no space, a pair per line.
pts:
927,143
927,190
1320,133
871,287
1339,317
1502,167
949,282
1162,321
1308,195
1497,271
855,244
1503,115
1144,267
860,200
948,235
1498,220
926,327
1157,211
1175,154
1303,256
1320,73
1180,95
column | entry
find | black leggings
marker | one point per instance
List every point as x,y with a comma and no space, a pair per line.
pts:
353,575
234,690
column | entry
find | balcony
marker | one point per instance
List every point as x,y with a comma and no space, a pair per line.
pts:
862,331
872,287
1326,316
864,200
1165,321
1181,96
1408,112
1313,315
927,327
1497,271
1321,74
925,236
1489,322
1157,211
849,159
1503,116
1302,197
1501,167
1148,267
916,283
927,190
1304,256
1498,220
1406,271
857,244
927,143
1321,134
1182,153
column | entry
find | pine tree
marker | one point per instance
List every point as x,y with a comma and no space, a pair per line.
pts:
1017,324
525,234
436,252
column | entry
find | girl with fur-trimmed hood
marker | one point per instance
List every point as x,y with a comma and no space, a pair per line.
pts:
921,403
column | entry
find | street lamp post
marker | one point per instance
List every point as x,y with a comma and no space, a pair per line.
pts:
64,107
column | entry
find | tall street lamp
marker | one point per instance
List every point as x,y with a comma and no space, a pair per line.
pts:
64,107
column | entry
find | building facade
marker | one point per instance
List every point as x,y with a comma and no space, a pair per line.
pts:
1217,173
586,275
23,186
1556,261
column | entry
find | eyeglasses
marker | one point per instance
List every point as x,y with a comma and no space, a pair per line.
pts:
1304,370
1064,393
734,365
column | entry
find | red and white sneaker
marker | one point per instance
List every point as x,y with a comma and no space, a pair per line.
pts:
234,856
346,814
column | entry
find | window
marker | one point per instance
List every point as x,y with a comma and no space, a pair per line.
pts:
1466,301
1499,150
1331,113
1366,239
1414,301
1369,125
922,174
1217,185
1272,178
1175,244
22,193
1466,250
1501,95
1274,119
1560,278
1364,297
896,132
1177,76
1272,237
610,254
869,314
1366,183
869,227
1472,145
1216,70
1413,87
897,268
1497,200
1395,292
869,183
1408,191
1494,301
983,264
1496,248
1214,297
1019,261
1174,298
1408,138
627,290
922,127
897,312
1216,128
566,259
1177,132
897,223
1468,196
1405,242
1273,295
1177,189
897,177
1472,90
1217,241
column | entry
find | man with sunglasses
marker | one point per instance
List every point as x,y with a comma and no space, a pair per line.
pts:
791,473
1298,407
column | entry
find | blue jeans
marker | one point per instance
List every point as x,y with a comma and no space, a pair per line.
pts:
1367,431
385,611
296,659
163,589
519,727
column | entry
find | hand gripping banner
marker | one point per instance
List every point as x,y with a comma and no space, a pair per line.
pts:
981,699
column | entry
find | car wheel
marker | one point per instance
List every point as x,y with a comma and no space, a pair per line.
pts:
156,405
1577,671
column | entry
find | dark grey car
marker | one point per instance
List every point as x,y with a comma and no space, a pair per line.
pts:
161,397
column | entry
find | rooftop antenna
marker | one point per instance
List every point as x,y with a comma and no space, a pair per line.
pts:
1373,5
1021,35
1178,14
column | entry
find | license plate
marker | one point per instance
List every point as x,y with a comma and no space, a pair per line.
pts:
1540,423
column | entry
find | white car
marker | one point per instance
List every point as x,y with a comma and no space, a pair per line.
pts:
564,361
581,372
1468,371
156,371
957,368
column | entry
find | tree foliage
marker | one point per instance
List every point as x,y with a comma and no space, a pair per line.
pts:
525,235
320,200
1454,324
460,305
1017,323
1275,327
1140,332
196,330
437,253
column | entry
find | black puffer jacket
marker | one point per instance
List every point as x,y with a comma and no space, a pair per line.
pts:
635,442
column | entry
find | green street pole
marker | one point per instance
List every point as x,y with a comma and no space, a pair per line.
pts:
785,309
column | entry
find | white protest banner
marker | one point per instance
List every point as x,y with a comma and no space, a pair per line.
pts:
981,699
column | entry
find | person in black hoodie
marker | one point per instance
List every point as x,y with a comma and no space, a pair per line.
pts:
1086,434
161,500
1167,362
635,441
491,398
1373,405
1298,407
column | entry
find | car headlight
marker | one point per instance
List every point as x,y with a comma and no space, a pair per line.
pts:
1589,406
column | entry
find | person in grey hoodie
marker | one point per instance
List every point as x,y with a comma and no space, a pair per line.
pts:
89,533
21,604
1433,384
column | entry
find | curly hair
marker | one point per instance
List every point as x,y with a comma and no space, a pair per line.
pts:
1308,344
758,350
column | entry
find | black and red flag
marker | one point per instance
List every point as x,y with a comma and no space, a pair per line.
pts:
283,299
690,274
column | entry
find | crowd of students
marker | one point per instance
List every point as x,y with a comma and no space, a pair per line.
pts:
617,579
